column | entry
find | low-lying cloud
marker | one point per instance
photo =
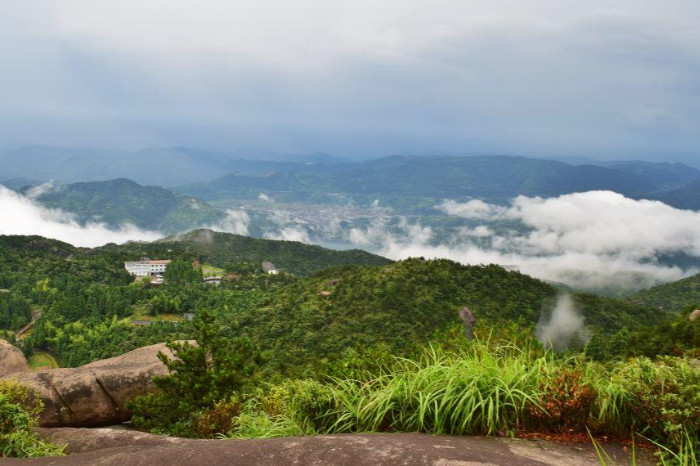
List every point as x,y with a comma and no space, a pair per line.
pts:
563,327
590,240
23,216
236,221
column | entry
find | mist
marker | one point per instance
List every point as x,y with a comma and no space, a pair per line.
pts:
564,326
23,216
592,240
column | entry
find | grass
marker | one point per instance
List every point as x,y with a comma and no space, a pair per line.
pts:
41,360
158,318
211,271
479,392
500,389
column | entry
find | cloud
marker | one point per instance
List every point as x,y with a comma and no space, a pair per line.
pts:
236,221
476,209
390,76
22,216
590,240
286,228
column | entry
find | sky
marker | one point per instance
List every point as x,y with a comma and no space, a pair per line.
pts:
605,79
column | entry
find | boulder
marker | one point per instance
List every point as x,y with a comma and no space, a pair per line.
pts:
11,359
96,393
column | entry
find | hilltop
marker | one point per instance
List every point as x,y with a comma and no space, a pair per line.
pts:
121,201
222,249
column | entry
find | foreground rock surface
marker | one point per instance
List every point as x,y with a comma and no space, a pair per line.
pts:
93,394
117,446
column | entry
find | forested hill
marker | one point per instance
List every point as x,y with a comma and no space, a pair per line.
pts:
226,249
671,297
121,201
299,322
36,254
400,304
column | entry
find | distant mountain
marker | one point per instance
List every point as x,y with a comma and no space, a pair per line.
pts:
121,201
222,249
685,197
407,183
415,182
662,175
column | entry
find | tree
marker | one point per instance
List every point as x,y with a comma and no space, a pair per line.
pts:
181,272
200,375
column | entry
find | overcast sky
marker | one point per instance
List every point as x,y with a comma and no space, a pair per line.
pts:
602,78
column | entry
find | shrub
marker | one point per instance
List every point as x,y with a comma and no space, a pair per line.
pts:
19,411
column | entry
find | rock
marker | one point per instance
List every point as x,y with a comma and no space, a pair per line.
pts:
469,322
124,448
694,315
11,359
81,440
94,394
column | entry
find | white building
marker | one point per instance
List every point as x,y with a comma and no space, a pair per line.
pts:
146,267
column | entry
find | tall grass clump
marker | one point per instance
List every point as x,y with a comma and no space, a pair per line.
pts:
659,399
479,390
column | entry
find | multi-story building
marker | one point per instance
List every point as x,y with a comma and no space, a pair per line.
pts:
146,267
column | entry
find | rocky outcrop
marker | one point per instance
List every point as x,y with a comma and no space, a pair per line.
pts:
125,448
11,360
94,394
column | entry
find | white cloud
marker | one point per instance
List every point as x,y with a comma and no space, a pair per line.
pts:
22,216
236,221
292,233
476,209
586,240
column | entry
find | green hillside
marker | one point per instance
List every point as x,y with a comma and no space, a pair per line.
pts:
307,320
121,201
405,303
671,297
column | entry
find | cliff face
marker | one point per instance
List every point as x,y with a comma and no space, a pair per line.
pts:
90,395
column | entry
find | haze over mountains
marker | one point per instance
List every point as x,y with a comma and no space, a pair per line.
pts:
402,181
